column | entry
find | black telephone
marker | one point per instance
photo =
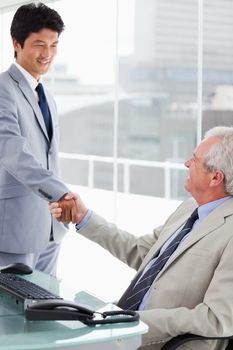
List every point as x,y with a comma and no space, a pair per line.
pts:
60,309
57,310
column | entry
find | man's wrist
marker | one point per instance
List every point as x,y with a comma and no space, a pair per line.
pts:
84,220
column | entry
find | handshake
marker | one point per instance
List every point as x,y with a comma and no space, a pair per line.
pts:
69,208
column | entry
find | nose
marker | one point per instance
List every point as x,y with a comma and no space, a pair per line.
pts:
187,163
46,53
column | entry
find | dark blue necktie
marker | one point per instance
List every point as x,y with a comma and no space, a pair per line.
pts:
44,109
139,287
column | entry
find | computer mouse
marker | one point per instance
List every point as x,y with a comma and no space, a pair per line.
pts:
17,268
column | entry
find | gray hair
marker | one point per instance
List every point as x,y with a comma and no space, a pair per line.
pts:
220,155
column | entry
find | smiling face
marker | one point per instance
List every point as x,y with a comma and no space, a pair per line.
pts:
202,184
38,52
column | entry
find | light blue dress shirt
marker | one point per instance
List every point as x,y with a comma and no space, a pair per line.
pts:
84,220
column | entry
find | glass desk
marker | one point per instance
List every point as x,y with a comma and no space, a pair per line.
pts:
16,333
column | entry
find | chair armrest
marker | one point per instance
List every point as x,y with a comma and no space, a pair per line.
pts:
175,342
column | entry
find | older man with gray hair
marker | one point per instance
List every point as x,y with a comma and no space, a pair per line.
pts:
184,280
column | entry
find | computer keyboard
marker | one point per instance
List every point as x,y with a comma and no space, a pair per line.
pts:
23,289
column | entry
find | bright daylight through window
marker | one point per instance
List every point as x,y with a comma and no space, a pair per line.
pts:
130,80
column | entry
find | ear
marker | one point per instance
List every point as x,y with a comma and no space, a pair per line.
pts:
16,45
217,178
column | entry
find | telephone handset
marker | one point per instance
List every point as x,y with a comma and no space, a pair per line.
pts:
59,309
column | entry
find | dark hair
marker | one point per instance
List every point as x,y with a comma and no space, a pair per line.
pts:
31,18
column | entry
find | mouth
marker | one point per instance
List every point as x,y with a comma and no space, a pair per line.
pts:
44,62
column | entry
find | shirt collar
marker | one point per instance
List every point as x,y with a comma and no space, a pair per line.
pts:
207,208
30,79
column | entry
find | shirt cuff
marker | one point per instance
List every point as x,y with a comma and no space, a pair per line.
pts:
84,220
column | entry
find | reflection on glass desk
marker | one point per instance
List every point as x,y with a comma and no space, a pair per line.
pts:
16,333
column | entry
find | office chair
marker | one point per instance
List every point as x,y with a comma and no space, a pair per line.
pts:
174,343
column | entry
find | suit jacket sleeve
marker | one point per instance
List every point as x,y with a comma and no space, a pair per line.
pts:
123,245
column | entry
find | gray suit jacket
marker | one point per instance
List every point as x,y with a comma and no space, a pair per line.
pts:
28,168
194,293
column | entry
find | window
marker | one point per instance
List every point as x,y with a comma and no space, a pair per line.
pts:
134,82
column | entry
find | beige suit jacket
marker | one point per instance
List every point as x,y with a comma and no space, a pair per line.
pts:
194,293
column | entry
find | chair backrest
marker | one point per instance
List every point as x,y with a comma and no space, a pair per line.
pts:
230,345
176,342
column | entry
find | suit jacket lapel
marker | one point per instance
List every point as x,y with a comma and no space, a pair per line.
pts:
214,220
211,223
30,97
167,232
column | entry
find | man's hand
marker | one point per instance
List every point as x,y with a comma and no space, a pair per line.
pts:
68,209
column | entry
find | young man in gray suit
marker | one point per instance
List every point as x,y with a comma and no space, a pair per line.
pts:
29,144
189,267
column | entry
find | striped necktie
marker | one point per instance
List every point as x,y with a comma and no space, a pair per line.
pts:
44,109
133,296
